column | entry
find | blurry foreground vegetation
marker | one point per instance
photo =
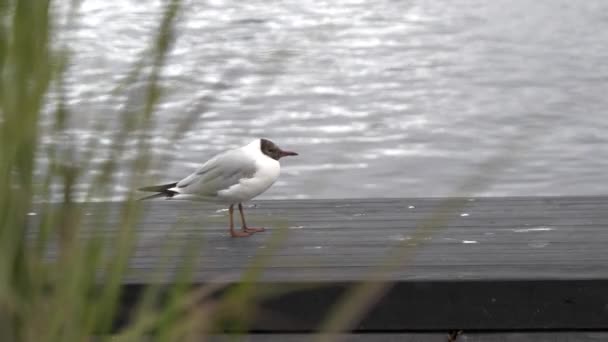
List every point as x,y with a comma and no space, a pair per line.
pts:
74,294
67,298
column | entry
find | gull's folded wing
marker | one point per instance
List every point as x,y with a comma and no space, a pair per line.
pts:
219,173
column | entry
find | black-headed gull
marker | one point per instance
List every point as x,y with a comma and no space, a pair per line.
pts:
231,177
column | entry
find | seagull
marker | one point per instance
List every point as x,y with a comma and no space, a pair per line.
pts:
231,177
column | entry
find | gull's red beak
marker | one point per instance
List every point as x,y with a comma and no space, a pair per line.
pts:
287,153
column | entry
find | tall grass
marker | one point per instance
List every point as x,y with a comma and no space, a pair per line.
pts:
76,294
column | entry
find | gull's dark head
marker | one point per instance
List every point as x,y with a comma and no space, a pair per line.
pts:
273,151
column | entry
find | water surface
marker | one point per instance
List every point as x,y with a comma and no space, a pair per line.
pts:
380,98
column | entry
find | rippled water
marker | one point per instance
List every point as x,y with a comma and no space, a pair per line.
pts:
380,98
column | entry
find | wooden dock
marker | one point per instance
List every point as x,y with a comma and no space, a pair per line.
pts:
486,265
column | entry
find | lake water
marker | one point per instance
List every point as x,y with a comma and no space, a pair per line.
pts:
380,98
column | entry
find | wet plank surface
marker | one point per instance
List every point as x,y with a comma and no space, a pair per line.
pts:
346,240
468,263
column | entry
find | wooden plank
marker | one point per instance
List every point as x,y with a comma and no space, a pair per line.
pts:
469,263
536,238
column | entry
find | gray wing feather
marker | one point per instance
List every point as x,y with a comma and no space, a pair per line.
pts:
219,173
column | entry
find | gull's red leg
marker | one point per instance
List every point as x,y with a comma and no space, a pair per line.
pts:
233,232
245,228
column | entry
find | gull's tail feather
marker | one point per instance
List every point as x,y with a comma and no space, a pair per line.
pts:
163,191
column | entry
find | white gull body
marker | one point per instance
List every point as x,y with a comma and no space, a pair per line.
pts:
233,176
